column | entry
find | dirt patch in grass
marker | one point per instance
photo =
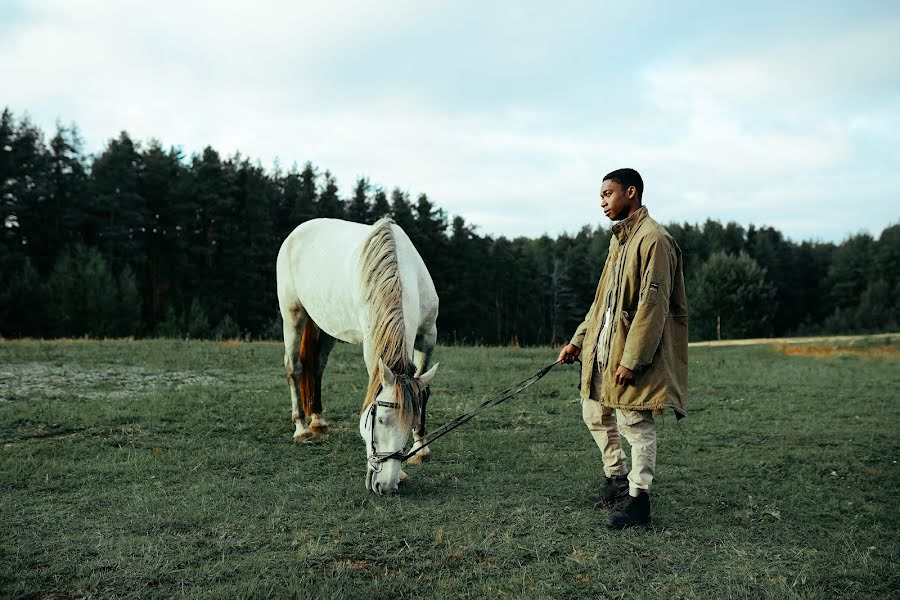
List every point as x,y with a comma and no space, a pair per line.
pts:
880,351
112,381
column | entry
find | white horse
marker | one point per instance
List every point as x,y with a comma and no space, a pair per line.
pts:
339,280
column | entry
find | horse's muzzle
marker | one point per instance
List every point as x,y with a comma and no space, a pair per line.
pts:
383,490
373,485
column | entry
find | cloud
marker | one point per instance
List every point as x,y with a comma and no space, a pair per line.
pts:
508,118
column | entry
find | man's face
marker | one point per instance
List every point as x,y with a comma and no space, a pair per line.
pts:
615,200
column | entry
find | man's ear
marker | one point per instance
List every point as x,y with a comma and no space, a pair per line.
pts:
387,376
631,192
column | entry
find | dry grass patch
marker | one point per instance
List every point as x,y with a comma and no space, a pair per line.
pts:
880,351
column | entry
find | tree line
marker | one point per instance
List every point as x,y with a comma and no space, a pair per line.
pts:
141,240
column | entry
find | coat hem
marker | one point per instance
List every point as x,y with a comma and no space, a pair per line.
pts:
680,411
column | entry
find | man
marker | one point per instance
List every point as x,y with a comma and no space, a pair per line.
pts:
633,344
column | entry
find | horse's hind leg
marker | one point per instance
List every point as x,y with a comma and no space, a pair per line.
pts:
317,423
422,350
294,324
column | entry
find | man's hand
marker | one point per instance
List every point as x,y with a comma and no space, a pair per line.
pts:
624,376
569,354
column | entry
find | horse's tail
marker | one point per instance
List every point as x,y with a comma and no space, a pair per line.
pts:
309,358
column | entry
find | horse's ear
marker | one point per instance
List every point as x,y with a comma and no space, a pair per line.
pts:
387,377
427,376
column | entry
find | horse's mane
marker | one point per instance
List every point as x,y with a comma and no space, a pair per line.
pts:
383,296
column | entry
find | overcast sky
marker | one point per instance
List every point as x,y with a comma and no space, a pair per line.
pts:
507,113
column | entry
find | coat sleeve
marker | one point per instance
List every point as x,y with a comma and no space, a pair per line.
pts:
653,306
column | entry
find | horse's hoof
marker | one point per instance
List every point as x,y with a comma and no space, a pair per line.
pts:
303,436
319,428
403,476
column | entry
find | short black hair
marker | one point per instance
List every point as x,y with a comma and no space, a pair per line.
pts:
627,178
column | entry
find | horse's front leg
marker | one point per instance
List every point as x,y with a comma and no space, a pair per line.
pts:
423,455
421,358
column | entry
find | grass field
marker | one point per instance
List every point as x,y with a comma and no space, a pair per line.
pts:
166,468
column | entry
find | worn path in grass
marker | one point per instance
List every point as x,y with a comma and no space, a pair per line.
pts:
162,468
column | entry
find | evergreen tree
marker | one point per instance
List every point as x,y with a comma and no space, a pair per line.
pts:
694,249
511,283
733,290
84,294
300,194
887,256
250,245
227,329
401,211
8,164
877,310
358,209
23,303
143,242
430,239
810,264
380,206
281,217
169,326
464,302
851,270
196,323
25,195
117,217
728,239
172,208
330,205
430,224
17,271
128,310
563,312
767,247
212,187
66,190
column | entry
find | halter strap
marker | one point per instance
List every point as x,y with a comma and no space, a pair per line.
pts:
376,457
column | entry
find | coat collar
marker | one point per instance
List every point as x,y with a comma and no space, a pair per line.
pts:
623,229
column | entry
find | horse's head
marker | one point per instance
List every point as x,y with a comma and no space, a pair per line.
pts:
386,423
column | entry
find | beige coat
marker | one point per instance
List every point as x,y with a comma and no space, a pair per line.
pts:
643,285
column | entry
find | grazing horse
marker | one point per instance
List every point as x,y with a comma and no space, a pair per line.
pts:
360,284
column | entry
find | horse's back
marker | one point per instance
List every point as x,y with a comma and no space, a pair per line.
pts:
317,268
317,271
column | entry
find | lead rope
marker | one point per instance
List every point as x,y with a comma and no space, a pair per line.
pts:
490,402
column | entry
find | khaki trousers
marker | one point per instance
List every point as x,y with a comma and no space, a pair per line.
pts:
639,429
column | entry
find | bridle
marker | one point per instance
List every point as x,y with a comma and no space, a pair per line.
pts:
376,458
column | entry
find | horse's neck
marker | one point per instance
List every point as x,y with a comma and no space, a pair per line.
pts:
402,361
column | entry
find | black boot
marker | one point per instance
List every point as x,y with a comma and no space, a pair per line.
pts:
611,491
634,512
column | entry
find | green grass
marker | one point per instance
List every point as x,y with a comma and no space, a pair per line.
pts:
162,468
